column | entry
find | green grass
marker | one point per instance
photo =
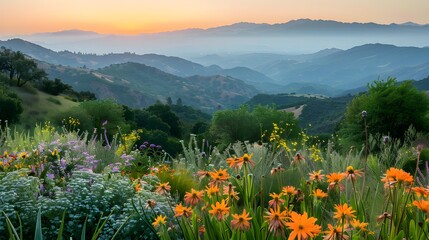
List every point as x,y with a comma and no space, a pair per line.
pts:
39,106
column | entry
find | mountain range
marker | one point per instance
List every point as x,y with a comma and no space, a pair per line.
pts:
329,72
296,37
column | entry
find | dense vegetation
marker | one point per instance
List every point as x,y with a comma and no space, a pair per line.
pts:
103,170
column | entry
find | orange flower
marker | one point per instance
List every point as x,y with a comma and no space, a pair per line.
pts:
23,155
138,187
316,176
202,174
394,175
234,162
277,170
219,176
159,220
150,204
302,226
230,191
276,200
423,205
319,194
334,233
421,191
212,190
181,210
359,226
220,210
298,158
241,222
289,190
352,174
334,179
192,198
276,220
163,188
247,159
344,211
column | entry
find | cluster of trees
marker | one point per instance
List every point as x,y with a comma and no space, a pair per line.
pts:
19,67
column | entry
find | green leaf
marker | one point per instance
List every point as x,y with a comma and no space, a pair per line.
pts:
38,235
60,231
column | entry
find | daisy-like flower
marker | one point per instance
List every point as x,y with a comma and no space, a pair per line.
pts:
23,155
276,200
277,170
230,191
335,233
384,216
344,212
277,220
233,162
319,194
163,188
352,173
421,191
399,176
298,158
334,179
219,210
138,187
302,226
202,174
289,190
359,226
423,205
150,204
218,176
316,176
194,197
181,210
246,159
159,220
241,222
212,190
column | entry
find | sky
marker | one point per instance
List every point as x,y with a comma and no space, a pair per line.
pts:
149,16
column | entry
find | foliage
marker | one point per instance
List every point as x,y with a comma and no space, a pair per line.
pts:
391,109
54,87
10,105
167,116
231,125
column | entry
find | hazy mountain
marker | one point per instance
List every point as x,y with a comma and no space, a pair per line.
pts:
297,37
138,85
253,60
173,65
353,67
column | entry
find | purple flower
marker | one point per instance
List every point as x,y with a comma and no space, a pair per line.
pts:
42,188
159,147
152,145
115,169
104,123
50,175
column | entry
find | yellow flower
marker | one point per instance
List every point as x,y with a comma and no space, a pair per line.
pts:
212,190
159,220
241,222
359,226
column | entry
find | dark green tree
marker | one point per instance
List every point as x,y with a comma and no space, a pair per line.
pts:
391,109
228,126
10,106
167,116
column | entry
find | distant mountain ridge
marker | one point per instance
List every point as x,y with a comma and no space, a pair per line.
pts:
296,36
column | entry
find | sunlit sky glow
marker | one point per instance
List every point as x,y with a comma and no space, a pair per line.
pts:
148,16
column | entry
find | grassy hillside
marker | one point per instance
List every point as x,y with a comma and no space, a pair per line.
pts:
39,106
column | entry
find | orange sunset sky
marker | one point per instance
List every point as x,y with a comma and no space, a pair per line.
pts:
148,16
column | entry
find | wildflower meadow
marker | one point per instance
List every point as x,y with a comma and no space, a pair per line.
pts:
64,184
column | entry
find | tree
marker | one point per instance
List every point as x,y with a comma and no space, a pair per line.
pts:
391,108
167,116
10,106
16,64
241,124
